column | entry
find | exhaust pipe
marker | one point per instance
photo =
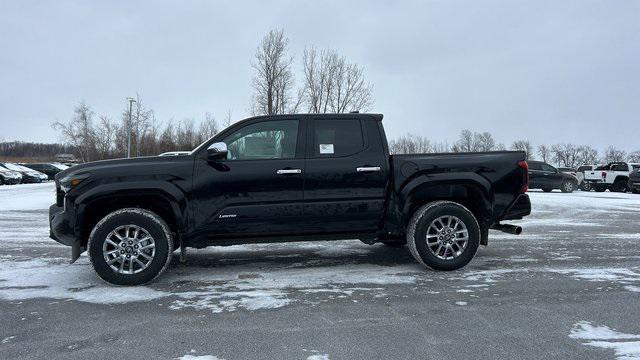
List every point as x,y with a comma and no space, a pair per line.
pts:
508,228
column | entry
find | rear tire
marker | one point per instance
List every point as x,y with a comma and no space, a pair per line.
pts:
568,186
433,245
130,247
585,186
620,186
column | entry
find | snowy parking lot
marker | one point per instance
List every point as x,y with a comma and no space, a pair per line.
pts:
568,287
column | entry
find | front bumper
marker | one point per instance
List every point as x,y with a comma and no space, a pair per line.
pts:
60,226
518,209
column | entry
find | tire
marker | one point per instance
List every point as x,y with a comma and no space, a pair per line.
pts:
620,186
547,190
585,186
420,226
105,240
568,186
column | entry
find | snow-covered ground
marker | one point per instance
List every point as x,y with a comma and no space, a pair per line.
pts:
581,245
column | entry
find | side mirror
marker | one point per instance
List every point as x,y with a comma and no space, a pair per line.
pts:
217,151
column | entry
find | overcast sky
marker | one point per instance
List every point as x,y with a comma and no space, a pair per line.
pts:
548,71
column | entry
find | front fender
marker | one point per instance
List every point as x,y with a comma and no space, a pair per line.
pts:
174,195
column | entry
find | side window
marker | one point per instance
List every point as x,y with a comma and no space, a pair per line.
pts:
535,166
548,168
335,138
264,140
620,167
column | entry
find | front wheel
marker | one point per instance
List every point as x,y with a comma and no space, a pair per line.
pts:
130,247
443,235
568,186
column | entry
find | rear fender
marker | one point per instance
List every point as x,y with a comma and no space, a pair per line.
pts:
464,187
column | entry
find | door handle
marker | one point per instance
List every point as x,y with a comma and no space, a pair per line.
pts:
288,171
368,169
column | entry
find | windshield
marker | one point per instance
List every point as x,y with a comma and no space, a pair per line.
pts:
15,167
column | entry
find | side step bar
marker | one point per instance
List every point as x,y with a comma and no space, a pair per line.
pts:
510,229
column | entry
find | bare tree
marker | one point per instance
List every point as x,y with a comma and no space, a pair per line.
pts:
78,132
273,80
410,144
105,133
523,145
544,153
208,128
613,154
634,157
466,142
484,142
333,85
566,155
587,155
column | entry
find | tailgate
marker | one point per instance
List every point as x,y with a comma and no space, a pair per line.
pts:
593,175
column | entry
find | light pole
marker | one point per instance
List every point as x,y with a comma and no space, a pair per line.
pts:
131,101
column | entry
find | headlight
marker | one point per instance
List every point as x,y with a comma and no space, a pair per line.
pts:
70,181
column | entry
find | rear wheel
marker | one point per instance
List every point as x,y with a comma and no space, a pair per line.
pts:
620,186
443,235
585,186
568,186
130,247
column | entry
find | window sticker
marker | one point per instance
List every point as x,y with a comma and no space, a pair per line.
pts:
326,148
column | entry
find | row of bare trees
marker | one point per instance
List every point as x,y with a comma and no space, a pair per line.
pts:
329,83
563,155
100,137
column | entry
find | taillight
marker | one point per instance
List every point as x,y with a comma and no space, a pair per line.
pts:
525,177
604,174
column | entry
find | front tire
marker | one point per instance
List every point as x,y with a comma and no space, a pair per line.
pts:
443,235
568,186
130,247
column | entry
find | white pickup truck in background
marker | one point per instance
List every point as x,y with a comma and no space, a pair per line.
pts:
613,176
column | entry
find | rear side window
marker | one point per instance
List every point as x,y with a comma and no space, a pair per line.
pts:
535,166
547,167
584,168
335,138
619,167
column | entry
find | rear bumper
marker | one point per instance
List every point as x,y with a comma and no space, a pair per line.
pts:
520,208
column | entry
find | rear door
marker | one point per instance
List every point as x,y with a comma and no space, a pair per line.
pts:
536,178
345,178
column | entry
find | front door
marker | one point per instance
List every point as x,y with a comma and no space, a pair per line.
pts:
258,188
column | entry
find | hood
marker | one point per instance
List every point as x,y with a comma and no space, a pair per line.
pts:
114,167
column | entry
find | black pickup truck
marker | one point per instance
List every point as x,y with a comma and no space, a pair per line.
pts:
286,178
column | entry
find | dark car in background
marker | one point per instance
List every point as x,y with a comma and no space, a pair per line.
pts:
49,169
9,177
28,175
634,179
546,177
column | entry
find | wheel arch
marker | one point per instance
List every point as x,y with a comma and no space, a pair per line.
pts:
473,192
96,204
